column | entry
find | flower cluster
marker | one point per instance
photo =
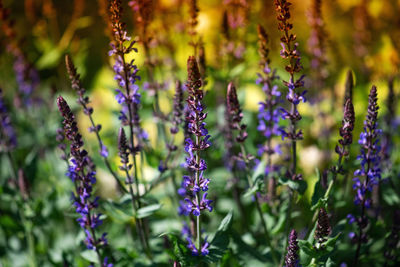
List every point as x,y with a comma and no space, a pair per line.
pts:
370,168
269,115
370,148
195,184
144,10
123,151
316,44
323,228
26,75
177,112
176,120
83,100
125,74
82,172
237,12
233,19
289,51
235,113
8,140
292,257
192,24
346,131
389,125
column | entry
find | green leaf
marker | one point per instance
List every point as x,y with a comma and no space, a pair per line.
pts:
330,243
147,211
299,185
259,172
220,242
49,59
226,223
307,252
90,255
252,190
322,202
118,212
391,197
180,252
318,190
246,254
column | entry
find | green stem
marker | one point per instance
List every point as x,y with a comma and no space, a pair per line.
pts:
133,152
106,162
258,207
29,238
327,193
133,198
198,196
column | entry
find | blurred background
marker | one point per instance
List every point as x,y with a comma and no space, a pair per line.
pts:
361,36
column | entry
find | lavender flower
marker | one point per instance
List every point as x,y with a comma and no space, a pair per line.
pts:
8,137
235,113
83,100
177,120
323,228
237,13
195,183
82,172
370,167
126,75
202,63
144,10
370,148
123,151
346,130
316,44
193,22
389,124
177,108
292,257
269,115
289,51
234,18
26,75
294,96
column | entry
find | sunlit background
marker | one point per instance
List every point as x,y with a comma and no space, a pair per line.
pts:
359,35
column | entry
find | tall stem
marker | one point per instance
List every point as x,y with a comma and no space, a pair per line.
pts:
106,162
327,193
198,194
258,207
89,217
132,150
157,110
357,255
133,198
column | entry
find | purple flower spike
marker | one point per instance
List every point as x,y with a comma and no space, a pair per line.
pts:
292,257
195,185
126,74
8,139
269,114
82,171
369,173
